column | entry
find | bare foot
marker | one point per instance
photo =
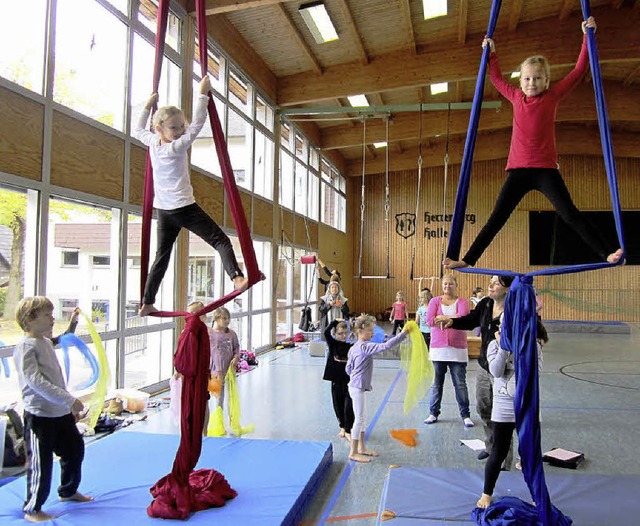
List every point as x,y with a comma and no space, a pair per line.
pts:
342,434
451,264
39,516
240,283
348,436
369,453
484,501
615,257
146,309
359,458
77,497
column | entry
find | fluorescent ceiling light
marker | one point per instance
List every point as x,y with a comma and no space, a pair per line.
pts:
434,8
358,100
317,19
382,144
440,87
515,75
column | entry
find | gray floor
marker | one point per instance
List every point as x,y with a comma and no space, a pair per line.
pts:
590,393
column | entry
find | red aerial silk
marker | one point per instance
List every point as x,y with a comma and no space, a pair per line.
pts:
184,491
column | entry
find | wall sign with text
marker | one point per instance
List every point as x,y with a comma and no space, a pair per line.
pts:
433,227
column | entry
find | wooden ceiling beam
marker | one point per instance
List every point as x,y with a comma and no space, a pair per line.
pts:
571,140
631,76
217,7
566,8
623,104
462,21
299,39
514,15
458,91
398,70
353,30
405,15
228,38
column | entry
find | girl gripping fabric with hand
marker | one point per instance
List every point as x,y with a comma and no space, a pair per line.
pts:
360,370
533,157
173,198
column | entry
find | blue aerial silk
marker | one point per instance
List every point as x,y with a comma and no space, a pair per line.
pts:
519,332
66,341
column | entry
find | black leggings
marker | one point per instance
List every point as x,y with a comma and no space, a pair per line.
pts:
342,404
502,434
196,220
519,183
397,324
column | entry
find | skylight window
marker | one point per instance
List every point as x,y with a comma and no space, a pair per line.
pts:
382,144
317,19
358,100
440,87
515,75
434,8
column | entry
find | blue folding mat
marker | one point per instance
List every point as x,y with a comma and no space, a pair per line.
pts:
275,481
448,496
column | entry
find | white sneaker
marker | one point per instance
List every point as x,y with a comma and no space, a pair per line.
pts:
468,422
431,420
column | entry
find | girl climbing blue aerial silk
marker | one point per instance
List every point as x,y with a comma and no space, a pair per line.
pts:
519,333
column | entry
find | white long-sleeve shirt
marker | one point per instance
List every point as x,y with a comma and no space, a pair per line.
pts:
40,378
171,176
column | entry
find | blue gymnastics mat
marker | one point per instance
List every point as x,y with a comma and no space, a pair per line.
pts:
275,480
447,496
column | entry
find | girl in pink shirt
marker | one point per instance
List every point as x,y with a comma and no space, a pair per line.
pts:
533,158
398,312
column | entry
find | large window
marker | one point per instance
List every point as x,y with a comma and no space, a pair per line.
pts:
164,298
22,41
263,165
86,239
203,152
142,75
148,14
90,61
18,242
301,188
286,180
332,195
240,146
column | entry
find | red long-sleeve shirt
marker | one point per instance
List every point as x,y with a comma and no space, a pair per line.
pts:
533,139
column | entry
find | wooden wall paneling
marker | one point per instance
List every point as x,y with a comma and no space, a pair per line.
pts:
209,194
262,218
86,159
137,163
571,296
21,149
245,198
336,251
300,233
312,226
287,226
